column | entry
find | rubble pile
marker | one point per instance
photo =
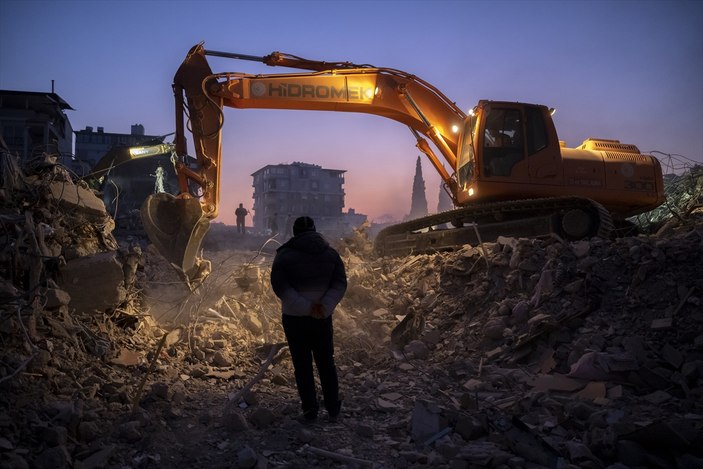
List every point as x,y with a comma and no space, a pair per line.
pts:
684,193
587,352
521,353
57,241
62,275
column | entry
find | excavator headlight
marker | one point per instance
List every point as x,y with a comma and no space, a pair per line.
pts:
471,191
369,93
455,128
153,150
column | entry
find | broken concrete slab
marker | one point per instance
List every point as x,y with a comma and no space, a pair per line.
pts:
127,357
555,382
56,297
594,391
658,397
598,366
75,197
426,420
94,283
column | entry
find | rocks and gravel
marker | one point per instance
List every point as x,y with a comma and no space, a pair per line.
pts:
520,353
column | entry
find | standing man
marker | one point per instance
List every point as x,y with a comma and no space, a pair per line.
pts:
241,214
309,278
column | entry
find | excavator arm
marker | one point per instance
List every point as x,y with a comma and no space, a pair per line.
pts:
177,225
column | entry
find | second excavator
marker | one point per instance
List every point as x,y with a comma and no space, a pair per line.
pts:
506,170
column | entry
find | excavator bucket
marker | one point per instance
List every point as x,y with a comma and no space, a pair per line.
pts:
176,227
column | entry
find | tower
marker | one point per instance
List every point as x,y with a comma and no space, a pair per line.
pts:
418,206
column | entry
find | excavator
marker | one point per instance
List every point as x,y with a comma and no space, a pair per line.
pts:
506,170
125,176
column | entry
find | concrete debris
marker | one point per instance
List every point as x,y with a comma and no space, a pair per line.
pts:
94,283
58,232
127,357
73,197
519,353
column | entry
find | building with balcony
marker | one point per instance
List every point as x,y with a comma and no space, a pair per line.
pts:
284,192
33,123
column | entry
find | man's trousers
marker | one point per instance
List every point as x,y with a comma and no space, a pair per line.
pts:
309,338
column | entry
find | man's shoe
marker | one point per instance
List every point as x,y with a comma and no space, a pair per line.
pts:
308,418
335,413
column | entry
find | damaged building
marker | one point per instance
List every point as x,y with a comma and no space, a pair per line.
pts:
284,192
35,122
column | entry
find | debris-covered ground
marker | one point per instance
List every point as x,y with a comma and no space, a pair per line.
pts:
514,354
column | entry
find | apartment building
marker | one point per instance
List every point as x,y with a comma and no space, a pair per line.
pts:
34,123
284,192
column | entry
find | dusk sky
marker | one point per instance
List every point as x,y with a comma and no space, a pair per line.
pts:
626,70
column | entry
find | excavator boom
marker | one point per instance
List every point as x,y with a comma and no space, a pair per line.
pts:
177,224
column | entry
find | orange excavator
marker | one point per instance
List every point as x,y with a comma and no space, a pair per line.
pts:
506,170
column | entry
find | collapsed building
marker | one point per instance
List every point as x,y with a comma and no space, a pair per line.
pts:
36,121
517,353
284,192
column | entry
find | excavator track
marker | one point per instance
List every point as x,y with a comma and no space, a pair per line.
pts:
571,218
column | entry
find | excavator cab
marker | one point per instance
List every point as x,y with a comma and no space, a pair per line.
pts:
502,142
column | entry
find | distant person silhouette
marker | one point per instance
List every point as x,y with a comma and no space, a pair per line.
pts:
241,214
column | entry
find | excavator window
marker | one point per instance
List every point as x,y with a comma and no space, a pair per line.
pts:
502,142
466,155
536,132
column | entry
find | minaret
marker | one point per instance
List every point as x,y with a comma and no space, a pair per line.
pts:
418,207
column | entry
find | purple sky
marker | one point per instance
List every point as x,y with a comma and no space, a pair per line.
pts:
627,70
